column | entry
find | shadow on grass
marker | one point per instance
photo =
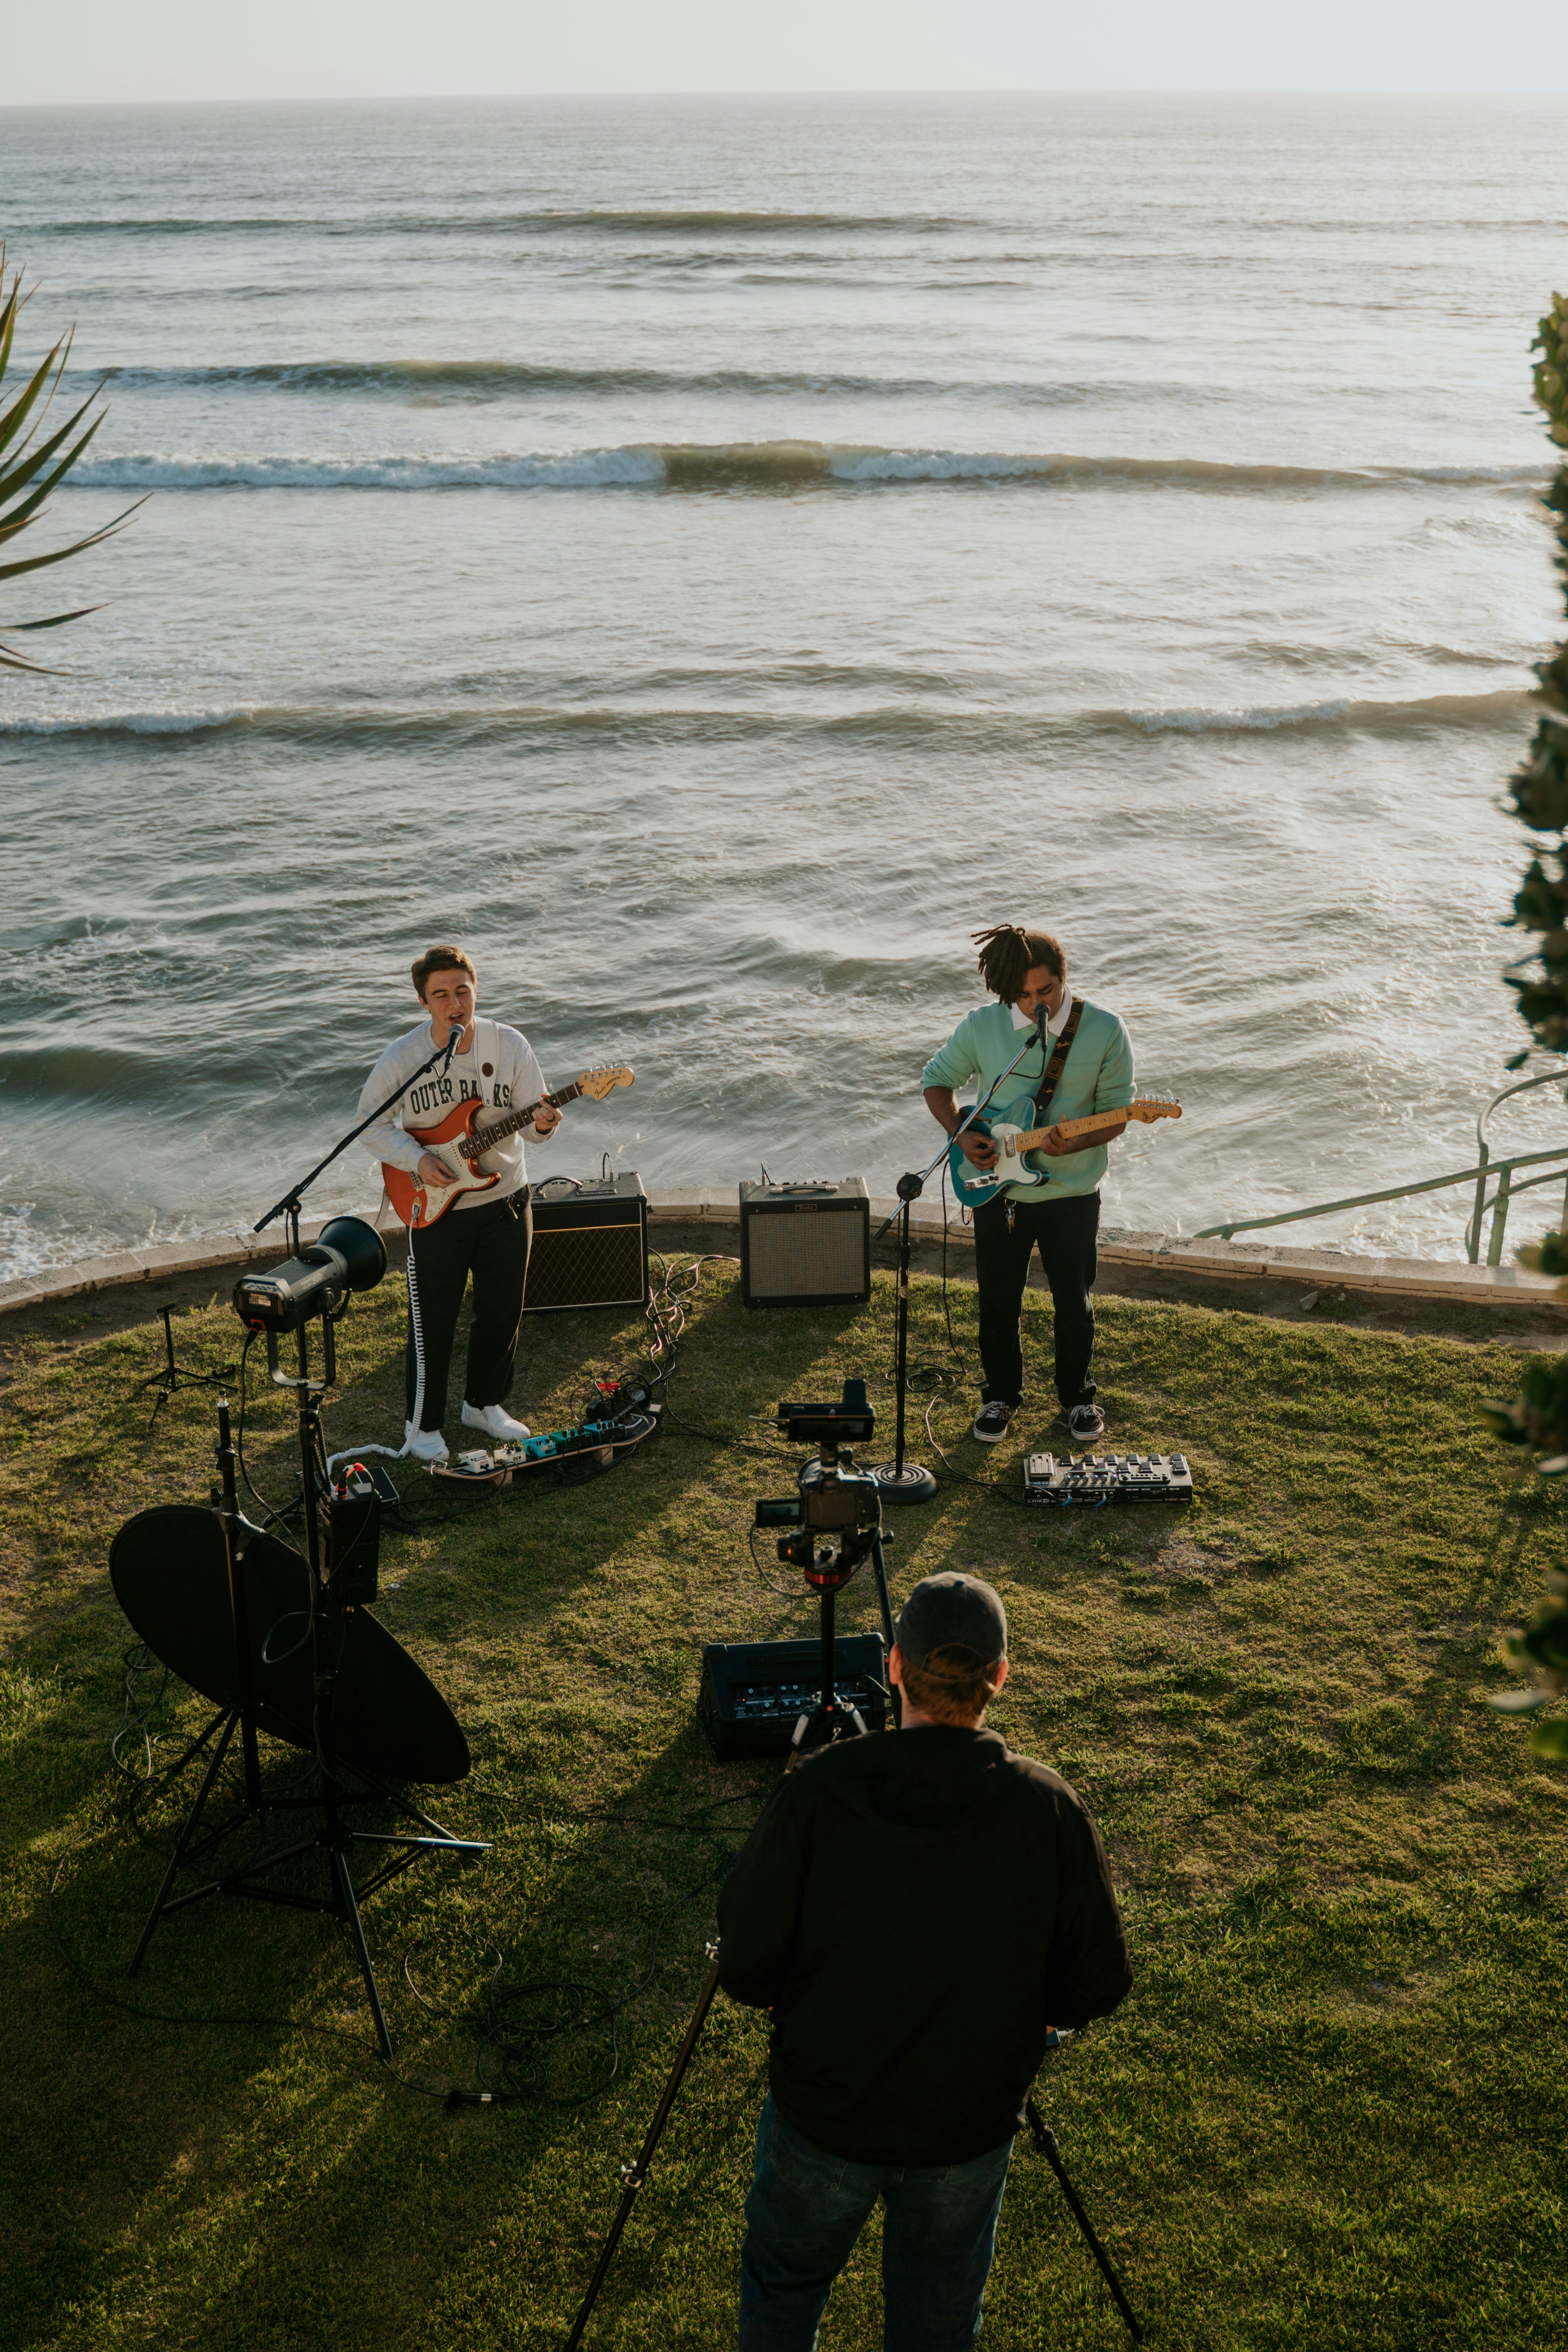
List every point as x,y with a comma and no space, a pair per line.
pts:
282,2184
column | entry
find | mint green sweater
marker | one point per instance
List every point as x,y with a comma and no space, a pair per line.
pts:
1098,1077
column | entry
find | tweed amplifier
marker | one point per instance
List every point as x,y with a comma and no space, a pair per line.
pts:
754,1693
805,1244
590,1243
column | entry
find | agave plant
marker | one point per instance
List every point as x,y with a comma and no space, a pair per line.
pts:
33,462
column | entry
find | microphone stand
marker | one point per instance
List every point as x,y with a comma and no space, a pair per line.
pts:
289,1206
901,1481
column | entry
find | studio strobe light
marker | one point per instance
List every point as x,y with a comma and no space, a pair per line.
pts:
349,1256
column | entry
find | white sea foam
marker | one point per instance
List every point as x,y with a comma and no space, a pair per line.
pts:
1505,707
113,721
572,470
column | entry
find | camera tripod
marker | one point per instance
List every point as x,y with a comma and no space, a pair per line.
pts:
633,2176
827,1569
329,1794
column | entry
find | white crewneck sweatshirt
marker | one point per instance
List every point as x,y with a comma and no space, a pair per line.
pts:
499,1067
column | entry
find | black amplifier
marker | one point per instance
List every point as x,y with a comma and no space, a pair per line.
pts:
590,1243
807,1244
754,1693
1097,1478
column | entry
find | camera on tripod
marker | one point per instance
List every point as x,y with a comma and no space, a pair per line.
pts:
835,1518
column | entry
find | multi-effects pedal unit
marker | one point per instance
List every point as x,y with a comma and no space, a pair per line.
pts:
1100,1478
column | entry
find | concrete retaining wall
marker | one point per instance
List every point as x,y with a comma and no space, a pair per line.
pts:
696,1206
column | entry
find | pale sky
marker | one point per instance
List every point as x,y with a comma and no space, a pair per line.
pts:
100,50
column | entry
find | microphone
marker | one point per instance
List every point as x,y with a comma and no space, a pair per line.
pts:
453,1039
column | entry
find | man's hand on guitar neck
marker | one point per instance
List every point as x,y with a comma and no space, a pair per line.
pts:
1055,1148
546,1119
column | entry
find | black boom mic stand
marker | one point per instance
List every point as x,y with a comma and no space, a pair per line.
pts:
289,1206
902,1481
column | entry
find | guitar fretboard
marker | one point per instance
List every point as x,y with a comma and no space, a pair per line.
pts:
1143,1112
485,1139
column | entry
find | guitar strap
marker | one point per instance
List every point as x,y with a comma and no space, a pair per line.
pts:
1054,1067
1052,1078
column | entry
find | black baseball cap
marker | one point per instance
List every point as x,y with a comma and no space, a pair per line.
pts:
955,1609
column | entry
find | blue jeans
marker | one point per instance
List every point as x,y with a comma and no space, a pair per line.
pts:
806,2210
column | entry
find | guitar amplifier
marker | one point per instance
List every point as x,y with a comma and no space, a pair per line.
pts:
590,1243
754,1693
805,1244
1094,1479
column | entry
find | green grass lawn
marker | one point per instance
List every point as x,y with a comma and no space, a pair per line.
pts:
1330,2114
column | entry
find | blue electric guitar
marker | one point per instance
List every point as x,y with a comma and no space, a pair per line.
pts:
1012,1173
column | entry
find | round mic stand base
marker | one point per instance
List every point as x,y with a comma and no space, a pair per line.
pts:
912,1484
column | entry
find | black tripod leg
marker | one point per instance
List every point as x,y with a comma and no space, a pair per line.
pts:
879,1570
187,1832
345,1886
1046,2141
636,2175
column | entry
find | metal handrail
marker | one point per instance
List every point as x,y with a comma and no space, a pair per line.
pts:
1505,1190
1503,1169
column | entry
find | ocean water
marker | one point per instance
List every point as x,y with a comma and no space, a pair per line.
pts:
710,556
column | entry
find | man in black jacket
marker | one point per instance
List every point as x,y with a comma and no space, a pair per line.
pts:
918,1913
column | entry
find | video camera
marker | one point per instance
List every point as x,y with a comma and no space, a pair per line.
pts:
835,1516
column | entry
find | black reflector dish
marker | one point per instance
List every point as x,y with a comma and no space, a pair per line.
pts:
169,1575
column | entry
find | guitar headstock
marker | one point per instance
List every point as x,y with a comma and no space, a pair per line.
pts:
1150,1108
598,1083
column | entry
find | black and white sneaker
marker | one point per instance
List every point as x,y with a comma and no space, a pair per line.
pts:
991,1423
1085,1424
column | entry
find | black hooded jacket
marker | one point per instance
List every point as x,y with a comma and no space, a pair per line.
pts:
918,1910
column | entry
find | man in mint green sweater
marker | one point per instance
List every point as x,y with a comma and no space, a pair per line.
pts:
1026,973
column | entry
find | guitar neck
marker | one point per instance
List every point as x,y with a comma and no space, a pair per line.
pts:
485,1139
1037,1134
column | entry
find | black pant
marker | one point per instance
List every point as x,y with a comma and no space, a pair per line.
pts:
491,1244
1064,1232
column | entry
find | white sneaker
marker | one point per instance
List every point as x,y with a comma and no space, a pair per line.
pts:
425,1445
496,1422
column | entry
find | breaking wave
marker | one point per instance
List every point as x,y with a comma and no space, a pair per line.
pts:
646,221
753,464
504,379
1503,708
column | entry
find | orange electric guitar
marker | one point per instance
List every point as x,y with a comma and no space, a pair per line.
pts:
459,1140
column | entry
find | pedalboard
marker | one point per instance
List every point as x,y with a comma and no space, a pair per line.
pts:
1093,1480
594,1441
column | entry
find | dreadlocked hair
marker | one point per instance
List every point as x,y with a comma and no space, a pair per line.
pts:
1008,954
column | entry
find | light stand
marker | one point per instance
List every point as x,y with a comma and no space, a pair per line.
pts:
898,1480
327,1793
170,1378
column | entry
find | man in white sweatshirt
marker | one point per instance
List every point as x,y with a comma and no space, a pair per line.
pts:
486,1233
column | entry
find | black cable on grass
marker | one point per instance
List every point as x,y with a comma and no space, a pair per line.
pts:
949,1476
517,2040
525,2043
